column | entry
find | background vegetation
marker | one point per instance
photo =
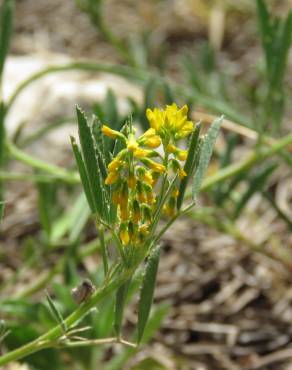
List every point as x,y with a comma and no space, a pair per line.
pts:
223,298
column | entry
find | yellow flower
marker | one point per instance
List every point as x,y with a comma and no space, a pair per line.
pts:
182,173
143,229
150,139
141,153
132,144
157,167
171,121
171,148
124,235
114,165
147,177
182,154
156,119
107,131
112,177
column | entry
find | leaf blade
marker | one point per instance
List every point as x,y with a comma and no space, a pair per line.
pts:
91,162
147,291
205,156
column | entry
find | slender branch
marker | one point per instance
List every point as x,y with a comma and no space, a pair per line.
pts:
127,72
251,160
56,171
94,342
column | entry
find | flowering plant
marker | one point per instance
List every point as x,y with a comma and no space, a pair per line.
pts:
131,182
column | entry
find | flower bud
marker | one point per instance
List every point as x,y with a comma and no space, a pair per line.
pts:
112,177
124,234
113,134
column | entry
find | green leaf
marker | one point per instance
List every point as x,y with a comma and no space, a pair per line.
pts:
88,147
56,313
83,175
6,31
147,291
110,108
189,164
256,184
72,221
205,155
121,297
157,315
102,152
282,43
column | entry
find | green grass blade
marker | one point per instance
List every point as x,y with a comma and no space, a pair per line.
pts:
256,184
189,164
266,32
83,175
147,291
6,31
121,297
283,45
279,211
110,108
72,221
205,155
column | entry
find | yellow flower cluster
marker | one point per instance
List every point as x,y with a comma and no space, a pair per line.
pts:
171,122
133,173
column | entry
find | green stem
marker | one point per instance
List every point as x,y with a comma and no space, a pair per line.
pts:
55,171
129,73
251,160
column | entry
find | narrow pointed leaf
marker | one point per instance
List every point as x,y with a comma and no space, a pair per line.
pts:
283,45
205,155
121,297
147,291
111,109
189,165
83,175
88,147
